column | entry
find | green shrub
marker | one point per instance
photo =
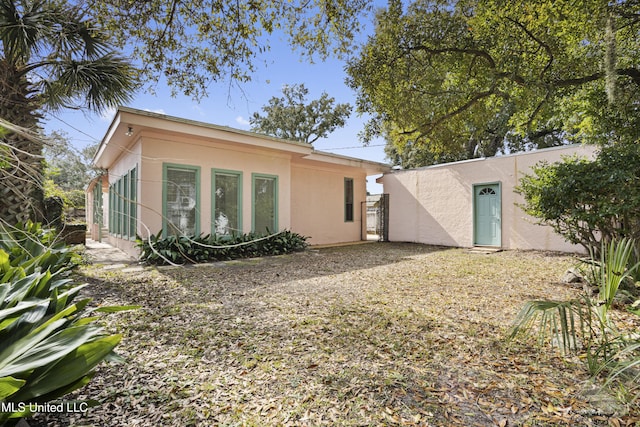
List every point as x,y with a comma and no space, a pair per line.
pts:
49,347
31,246
205,248
586,201
584,324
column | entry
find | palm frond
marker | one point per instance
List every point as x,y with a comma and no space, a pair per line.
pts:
97,84
625,363
22,29
77,36
566,322
65,57
611,270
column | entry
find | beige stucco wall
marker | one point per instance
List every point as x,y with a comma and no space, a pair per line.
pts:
94,229
317,203
209,155
434,205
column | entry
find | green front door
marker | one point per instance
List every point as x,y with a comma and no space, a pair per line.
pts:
487,228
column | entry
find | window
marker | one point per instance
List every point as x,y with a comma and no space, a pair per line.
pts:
124,202
348,199
97,202
111,208
133,202
227,202
122,205
265,203
181,196
119,196
487,191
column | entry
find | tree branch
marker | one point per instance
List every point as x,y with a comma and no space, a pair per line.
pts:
579,80
545,46
476,53
634,73
467,51
461,109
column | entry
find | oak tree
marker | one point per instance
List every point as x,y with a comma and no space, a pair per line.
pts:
460,79
192,44
293,117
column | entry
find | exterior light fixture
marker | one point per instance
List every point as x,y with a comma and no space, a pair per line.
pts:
129,131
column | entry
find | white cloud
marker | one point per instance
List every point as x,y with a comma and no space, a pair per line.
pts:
241,120
158,111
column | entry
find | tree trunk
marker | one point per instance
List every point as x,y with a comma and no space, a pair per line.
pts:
21,161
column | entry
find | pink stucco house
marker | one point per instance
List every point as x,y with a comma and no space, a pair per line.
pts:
171,175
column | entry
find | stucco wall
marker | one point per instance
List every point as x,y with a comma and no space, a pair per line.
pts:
434,205
317,203
209,155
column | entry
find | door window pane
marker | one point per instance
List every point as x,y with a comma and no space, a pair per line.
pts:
264,204
181,199
226,196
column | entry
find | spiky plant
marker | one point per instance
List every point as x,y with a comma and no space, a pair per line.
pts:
584,323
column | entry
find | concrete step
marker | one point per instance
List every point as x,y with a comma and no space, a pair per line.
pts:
486,250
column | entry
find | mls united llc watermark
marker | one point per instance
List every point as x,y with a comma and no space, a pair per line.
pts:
43,408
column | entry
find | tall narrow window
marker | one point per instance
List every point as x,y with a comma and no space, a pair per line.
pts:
117,221
124,195
265,203
181,199
133,201
122,205
227,202
111,209
348,199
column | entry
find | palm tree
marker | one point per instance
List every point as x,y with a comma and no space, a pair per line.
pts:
52,57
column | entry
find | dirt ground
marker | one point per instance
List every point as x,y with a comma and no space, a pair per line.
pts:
365,335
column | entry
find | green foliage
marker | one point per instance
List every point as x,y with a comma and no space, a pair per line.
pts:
463,78
586,201
33,248
53,57
584,324
74,61
564,321
48,347
191,43
625,364
291,117
614,268
67,170
204,248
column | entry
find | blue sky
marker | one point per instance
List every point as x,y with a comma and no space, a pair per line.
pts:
229,106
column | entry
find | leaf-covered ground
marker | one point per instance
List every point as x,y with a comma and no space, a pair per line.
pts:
364,335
